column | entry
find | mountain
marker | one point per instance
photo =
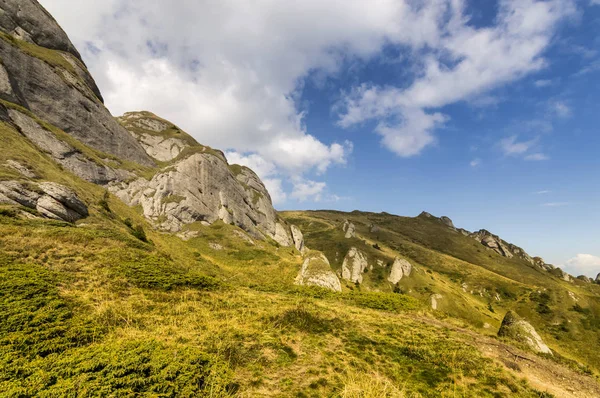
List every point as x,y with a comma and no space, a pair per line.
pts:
135,261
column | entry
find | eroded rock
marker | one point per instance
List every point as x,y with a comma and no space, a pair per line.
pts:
435,298
316,271
49,199
516,328
298,238
400,268
349,229
354,265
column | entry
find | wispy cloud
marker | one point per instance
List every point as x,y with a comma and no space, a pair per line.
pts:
555,204
537,157
560,109
475,162
511,146
543,83
544,192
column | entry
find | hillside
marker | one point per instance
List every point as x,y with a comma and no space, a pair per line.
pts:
135,261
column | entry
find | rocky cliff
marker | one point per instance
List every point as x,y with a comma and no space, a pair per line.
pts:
47,94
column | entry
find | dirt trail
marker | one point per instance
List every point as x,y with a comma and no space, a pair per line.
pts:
543,374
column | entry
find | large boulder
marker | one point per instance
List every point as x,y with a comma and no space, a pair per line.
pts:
516,328
49,199
598,278
316,271
298,238
495,243
355,264
349,229
400,268
447,221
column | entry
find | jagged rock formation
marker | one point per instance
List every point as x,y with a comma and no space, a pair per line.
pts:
349,229
585,279
198,185
400,268
447,221
316,271
598,278
64,153
561,274
298,238
495,243
161,139
516,328
355,264
42,71
49,199
540,263
434,300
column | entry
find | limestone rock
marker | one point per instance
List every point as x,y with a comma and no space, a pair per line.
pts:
561,274
316,271
354,265
59,90
464,231
585,279
426,215
51,200
298,238
65,154
22,169
501,247
400,268
434,300
447,221
516,328
349,229
202,187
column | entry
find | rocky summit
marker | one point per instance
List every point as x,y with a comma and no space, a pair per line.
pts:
136,261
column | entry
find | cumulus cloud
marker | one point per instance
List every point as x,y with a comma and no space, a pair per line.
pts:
543,83
475,60
583,264
231,72
555,204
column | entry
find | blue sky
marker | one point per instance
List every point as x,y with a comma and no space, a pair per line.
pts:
486,112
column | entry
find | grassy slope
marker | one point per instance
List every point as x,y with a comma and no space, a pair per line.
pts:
90,309
446,261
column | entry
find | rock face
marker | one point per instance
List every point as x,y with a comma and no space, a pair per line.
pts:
501,247
355,264
64,153
316,271
540,263
598,278
349,229
561,274
49,199
516,328
54,83
434,300
298,238
400,268
447,221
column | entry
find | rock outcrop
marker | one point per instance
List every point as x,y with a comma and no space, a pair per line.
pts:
447,221
585,279
354,265
598,278
316,271
349,229
400,269
298,238
42,71
541,264
495,243
561,274
516,328
434,299
49,199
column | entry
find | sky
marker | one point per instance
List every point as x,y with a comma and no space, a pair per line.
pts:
486,112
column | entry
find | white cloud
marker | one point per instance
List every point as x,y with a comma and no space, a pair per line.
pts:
231,72
477,60
544,192
511,146
475,162
308,190
537,157
543,83
583,264
560,109
555,204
